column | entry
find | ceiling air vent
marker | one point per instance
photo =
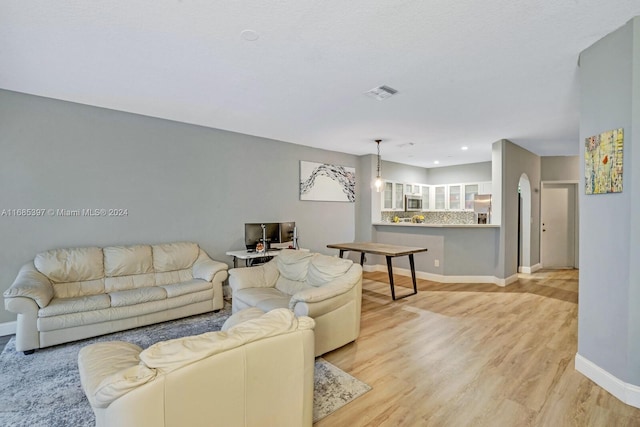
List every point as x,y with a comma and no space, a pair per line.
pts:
381,92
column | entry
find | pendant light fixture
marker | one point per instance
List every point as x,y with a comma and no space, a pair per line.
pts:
378,182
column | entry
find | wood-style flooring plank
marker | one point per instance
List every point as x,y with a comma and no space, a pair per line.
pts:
459,354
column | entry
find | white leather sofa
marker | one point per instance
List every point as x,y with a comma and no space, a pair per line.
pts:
258,373
71,294
326,288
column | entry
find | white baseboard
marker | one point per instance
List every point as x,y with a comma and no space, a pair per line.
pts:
7,328
529,270
440,278
627,393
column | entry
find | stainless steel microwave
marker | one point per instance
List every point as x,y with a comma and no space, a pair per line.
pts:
412,203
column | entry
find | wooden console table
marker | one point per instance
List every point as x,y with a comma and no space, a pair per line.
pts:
389,251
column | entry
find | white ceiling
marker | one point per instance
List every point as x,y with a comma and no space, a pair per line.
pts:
468,72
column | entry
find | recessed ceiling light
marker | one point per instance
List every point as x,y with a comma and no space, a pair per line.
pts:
464,148
249,35
436,162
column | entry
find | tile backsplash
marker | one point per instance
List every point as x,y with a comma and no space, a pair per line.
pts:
433,217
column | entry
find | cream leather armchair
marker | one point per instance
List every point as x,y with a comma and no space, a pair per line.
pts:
257,373
326,288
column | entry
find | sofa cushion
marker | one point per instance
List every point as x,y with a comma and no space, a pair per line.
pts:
59,306
78,289
137,296
171,277
290,287
127,260
111,369
324,268
293,264
191,286
122,283
71,265
266,299
174,256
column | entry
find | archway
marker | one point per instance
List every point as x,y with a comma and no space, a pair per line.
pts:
524,224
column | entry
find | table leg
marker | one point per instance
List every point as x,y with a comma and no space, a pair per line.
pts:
390,270
361,258
341,252
413,278
235,262
413,274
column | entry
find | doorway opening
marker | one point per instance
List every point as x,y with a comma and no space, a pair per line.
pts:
524,224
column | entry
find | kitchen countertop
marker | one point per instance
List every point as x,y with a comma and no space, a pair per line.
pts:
412,224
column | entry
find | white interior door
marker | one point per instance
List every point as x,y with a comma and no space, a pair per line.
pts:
557,243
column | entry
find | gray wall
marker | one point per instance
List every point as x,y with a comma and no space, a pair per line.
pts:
473,172
178,182
560,168
516,161
404,173
609,316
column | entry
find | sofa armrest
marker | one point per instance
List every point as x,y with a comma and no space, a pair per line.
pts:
206,268
261,276
330,290
109,370
30,283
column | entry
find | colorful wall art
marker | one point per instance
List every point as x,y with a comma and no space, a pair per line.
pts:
603,162
323,182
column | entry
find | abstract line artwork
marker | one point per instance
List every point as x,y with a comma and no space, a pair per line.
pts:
603,162
323,182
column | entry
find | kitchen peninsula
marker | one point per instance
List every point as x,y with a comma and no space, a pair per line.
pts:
458,253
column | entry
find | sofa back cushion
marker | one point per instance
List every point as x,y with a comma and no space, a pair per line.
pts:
127,260
167,356
73,272
324,268
292,266
174,256
128,267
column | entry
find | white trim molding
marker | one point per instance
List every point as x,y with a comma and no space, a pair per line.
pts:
627,393
8,328
530,270
440,278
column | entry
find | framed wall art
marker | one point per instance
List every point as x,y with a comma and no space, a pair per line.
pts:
603,156
325,182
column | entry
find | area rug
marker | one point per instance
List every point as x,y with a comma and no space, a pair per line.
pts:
43,389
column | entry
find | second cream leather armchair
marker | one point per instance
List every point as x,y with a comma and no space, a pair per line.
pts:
325,288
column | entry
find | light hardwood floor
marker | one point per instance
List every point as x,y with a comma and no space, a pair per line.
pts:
473,354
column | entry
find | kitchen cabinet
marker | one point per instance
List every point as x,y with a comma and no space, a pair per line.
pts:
425,193
454,192
458,196
484,188
392,196
412,189
387,196
440,197
470,190
398,196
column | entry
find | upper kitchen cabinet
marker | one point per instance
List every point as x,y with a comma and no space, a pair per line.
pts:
470,190
439,197
412,190
455,192
425,192
392,196
484,188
